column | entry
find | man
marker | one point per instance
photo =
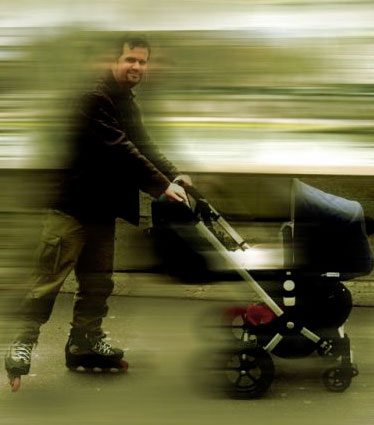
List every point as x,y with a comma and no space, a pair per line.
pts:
113,158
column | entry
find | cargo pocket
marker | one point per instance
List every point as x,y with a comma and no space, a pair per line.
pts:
49,254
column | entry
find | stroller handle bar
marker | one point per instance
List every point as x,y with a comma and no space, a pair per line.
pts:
192,191
202,205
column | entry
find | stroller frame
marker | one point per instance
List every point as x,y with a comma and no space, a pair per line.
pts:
252,354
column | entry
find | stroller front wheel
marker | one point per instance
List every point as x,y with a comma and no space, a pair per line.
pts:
337,379
248,373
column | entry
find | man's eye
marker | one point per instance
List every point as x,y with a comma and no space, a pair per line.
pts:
142,63
130,60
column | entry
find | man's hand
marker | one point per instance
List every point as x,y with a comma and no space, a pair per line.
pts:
183,180
175,192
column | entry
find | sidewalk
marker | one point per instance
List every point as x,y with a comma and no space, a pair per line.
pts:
169,380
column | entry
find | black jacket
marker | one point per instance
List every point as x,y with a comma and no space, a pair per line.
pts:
112,158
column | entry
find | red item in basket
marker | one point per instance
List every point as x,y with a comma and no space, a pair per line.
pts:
259,314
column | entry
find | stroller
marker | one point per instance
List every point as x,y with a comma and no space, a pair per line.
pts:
303,303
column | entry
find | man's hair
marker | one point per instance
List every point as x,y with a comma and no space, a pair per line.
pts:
133,41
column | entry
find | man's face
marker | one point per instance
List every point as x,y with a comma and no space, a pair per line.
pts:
130,66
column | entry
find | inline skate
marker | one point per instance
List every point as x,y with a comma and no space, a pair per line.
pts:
18,362
85,352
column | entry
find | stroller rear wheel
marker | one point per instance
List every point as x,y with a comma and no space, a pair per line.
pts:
222,324
337,379
248,372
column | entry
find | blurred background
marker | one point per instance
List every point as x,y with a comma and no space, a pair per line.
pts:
247,86
241,94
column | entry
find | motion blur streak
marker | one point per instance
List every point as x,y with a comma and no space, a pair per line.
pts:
244,86
234,86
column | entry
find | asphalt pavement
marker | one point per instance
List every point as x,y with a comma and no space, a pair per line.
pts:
167,347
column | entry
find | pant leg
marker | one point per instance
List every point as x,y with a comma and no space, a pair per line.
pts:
94,271
61,243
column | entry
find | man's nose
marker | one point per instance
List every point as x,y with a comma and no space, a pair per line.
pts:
136,65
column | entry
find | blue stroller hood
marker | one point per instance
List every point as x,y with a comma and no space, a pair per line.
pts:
329,233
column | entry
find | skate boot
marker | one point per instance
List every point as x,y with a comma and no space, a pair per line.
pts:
17,362
84,352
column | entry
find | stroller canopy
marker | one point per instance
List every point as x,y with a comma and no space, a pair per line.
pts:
329,233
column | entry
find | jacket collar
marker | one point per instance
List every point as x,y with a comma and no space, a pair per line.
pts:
119,92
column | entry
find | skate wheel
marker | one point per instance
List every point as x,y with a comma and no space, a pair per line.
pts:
114,370
15,383
124,365
97,369
79,369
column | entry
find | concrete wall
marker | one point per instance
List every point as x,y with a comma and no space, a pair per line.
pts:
255,205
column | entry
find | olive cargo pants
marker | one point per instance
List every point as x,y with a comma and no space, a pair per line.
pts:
67,243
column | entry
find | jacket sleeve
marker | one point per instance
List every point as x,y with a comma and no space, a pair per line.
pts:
150,150
100,120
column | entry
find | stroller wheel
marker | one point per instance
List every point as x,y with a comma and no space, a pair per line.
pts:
248,373
354,370
234,320
337,379
221,324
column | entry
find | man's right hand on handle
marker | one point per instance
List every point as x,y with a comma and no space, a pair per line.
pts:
175,192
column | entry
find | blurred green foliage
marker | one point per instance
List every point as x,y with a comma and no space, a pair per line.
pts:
192,73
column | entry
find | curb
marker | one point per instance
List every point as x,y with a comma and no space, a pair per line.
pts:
137,284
